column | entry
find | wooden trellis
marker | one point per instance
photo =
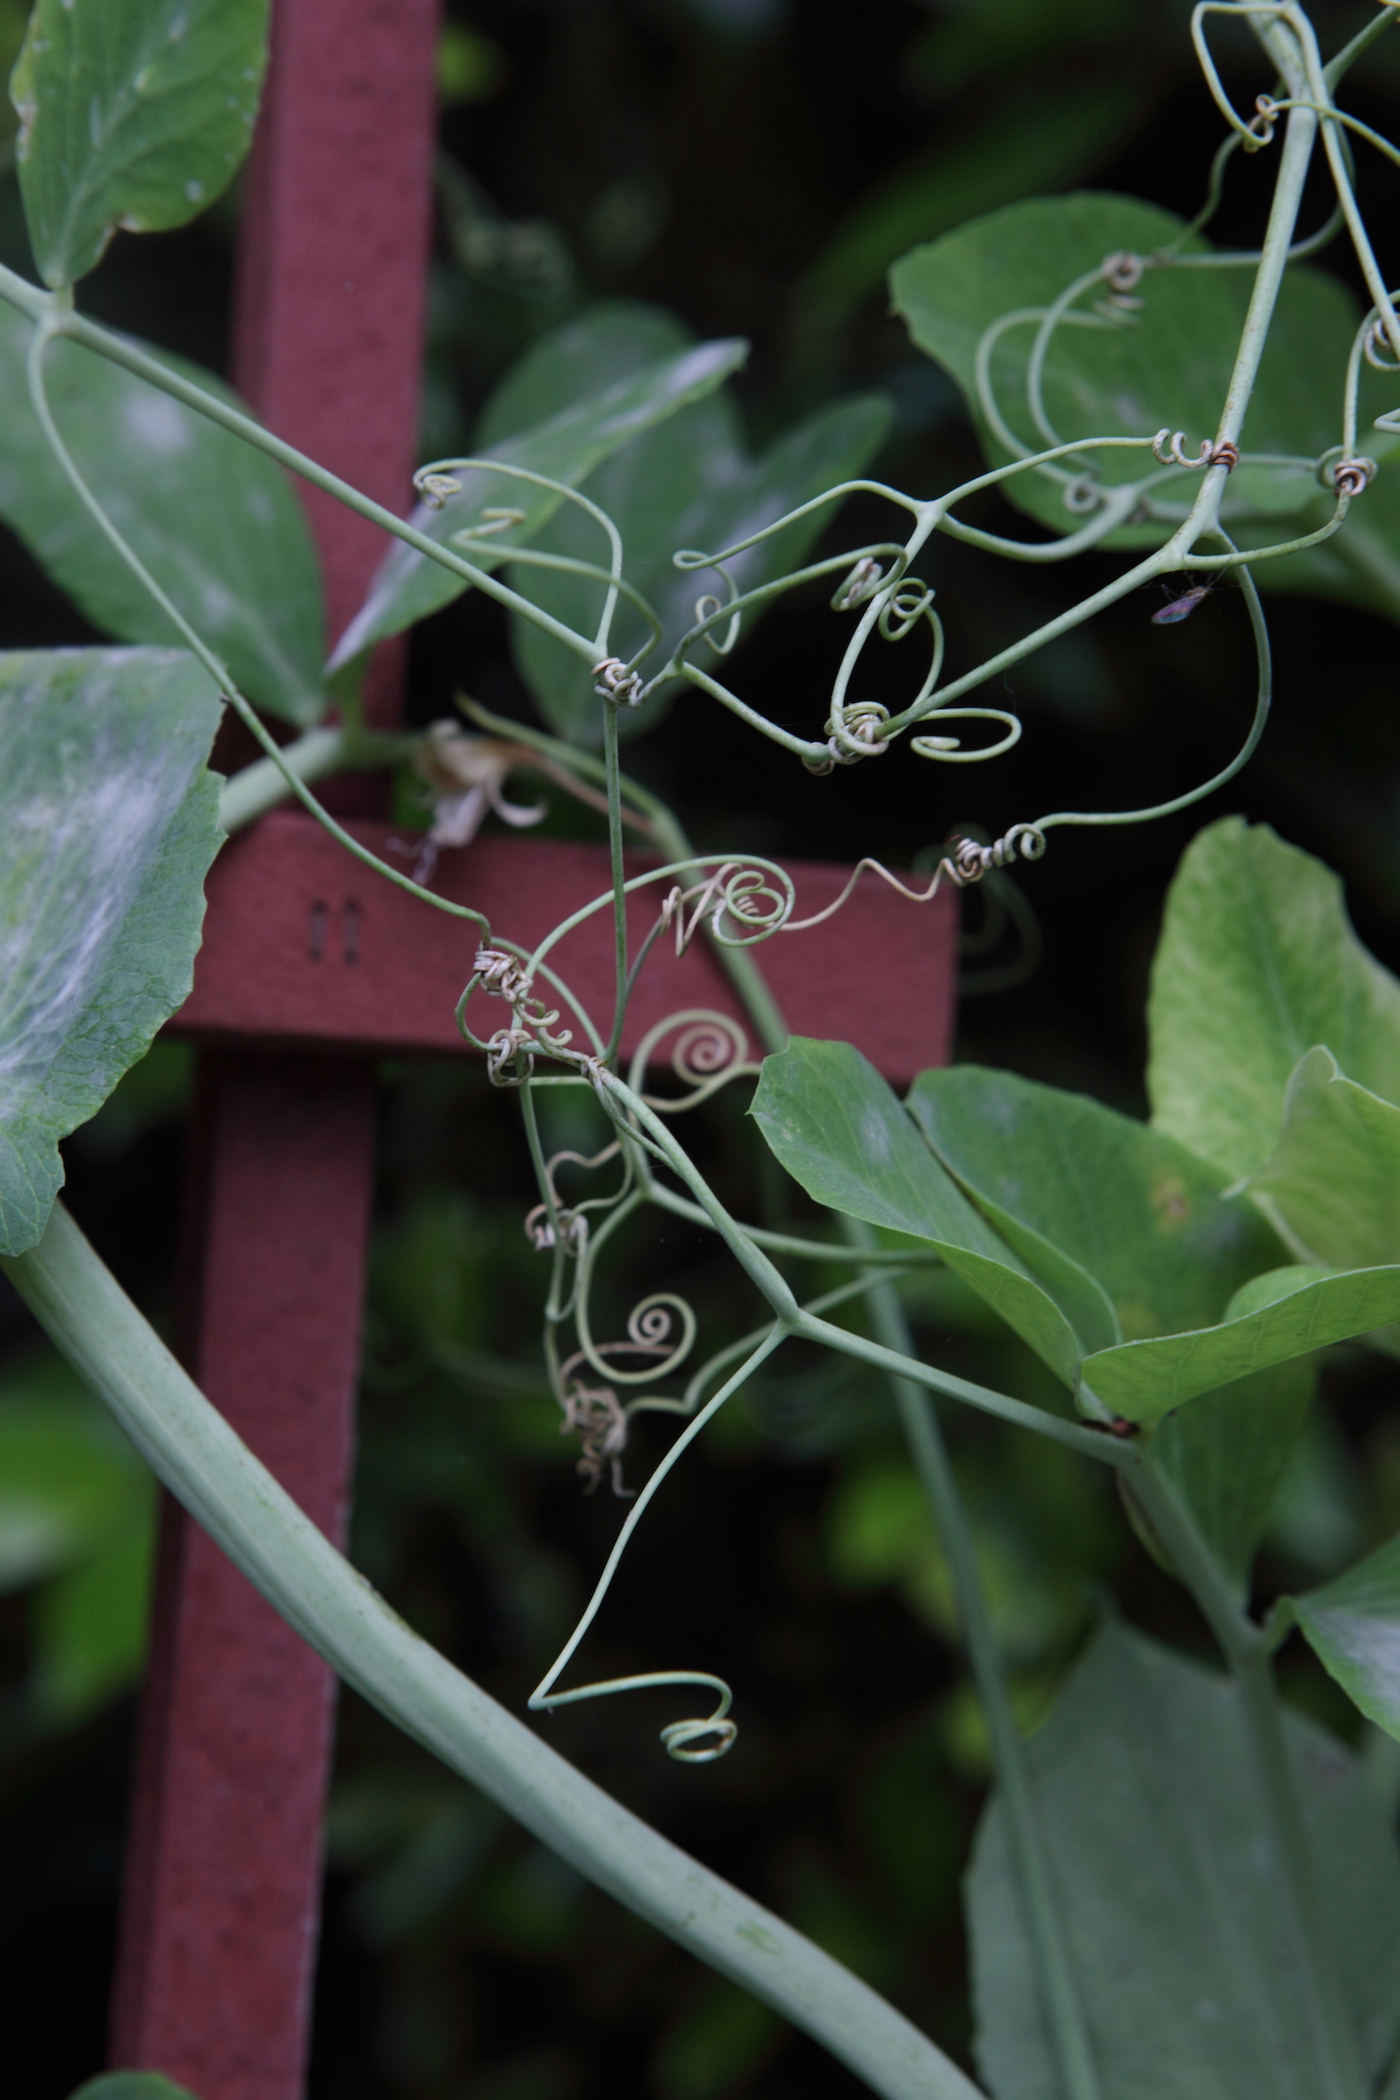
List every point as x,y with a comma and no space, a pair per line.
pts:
310,969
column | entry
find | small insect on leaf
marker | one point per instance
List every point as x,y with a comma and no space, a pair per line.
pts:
1181,608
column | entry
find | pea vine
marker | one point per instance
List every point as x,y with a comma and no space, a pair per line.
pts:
1260,1285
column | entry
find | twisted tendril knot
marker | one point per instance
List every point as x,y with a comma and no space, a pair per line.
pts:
1351,476
436,488
1122,271
1169,449
859,737
972,861
613,681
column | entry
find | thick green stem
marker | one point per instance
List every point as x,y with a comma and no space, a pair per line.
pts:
314,756
1246,1649
241,1506
1064,2013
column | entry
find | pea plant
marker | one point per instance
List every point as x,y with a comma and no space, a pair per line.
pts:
1177,1886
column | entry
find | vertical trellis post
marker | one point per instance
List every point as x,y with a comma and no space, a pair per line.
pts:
219,1927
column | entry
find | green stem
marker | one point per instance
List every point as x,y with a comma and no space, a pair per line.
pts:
1246,1648
314,756
237,1501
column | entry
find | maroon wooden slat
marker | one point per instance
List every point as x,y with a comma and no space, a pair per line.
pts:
214,1987
222,1882
332,278
302,945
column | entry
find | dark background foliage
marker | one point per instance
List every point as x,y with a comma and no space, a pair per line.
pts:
756,166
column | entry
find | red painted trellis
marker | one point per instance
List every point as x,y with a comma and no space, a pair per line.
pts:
308,970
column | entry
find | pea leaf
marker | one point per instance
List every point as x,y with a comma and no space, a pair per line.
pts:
611,339
133,113
215,521
831,1120
1258,963
688,483
108,822
88,1627
566,447
1332,1182
1353,1625
1139,1214
69,1481
1129,372
1171,1896
1143,1221
1280,1315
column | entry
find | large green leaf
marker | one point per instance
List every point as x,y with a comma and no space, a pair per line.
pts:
831,1120
1332,1182
1280,1315
1353,1623
1138,1213
214,520
1258,963
1172,1897
566,447
133,113
1166,363
108,821
687,483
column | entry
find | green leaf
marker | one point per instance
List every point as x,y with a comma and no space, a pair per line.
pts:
69,1481
1286,1313
831,1120
214,520
1332,1182
1256,964
688,483
88,1628
1353,1625
1229,1451
1173,1900
1057,1173
133,113
132,2085
611,339
566,447
108,821
1165,363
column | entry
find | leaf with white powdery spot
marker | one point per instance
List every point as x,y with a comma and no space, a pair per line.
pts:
133,113
215,521
108,821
